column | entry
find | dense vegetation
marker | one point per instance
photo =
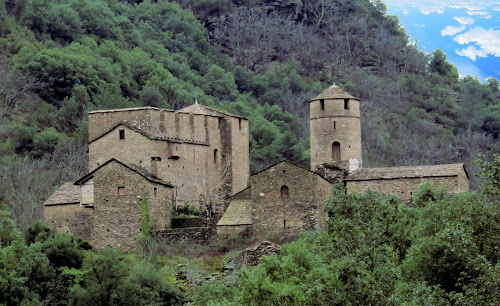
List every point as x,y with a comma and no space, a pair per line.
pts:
376,250
261,59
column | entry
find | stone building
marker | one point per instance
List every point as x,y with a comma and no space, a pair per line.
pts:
287,199
283,198
200,155
196,155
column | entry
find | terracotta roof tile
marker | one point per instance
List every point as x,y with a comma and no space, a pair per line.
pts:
366,174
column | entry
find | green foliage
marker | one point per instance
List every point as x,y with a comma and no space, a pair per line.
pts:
108,280
377,250
146,223
427,193
37,232
490,171
8,230
187,210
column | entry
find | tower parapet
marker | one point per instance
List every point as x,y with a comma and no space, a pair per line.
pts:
335,129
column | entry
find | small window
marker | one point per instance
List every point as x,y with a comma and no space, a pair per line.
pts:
239,123
336,151
334,125
346,103
121,191
220,122
284,192
215,156
122,134
155,191
322,103
284,224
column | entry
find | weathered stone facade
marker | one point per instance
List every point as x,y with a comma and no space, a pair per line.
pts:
70,218
283,199
201,155
402,181
201,151
119,192
335,128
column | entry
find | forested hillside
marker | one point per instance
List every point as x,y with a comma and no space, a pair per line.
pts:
259,59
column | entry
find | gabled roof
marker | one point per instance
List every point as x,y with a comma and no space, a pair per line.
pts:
334,92
239,212
124,109
68,193
141,171
388,173
148,135
292,164
206,110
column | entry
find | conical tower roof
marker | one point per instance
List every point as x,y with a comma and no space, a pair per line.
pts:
334,92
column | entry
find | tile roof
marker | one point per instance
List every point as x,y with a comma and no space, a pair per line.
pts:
206,110
334,92
68,193
239,212
366,174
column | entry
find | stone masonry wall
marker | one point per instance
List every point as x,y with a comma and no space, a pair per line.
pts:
239,153
70,218
404,187
334,124
117,218
295,213
203,143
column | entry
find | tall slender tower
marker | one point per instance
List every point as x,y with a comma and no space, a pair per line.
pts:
335,129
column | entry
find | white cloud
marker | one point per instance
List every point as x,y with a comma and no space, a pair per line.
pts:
464,20
450,31
487,17
420,25
438,6
488,42
472,53
479,13
496,8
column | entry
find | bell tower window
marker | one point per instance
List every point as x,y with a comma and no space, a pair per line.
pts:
336,151
346,103
322,104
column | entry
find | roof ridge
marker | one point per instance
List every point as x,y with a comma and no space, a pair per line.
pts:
142,172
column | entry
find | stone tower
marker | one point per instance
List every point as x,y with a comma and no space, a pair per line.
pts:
335,131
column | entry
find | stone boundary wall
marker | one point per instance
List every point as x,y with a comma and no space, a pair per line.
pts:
192,234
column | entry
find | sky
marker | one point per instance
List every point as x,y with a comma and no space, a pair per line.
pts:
468,31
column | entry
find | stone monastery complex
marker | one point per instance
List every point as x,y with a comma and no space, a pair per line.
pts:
199,156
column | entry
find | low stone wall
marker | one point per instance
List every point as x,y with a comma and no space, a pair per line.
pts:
192,234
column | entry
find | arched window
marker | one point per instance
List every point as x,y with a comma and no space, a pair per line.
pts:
336,151
215,156
284,192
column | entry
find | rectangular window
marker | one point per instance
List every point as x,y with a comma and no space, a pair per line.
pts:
322,102
346,103
239,123
121,191
122,134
